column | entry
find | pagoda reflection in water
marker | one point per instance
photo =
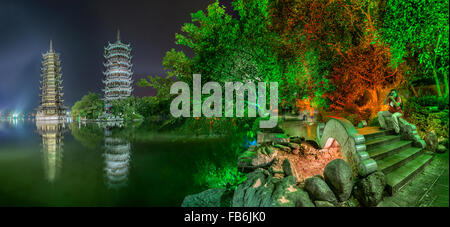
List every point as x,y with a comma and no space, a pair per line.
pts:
51,147
117,157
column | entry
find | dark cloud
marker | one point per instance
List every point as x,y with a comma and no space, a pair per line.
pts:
79,30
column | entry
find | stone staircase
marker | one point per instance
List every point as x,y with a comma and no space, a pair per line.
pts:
398,159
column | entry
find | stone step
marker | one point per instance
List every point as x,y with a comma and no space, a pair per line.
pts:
399,177
378,153
375,142
398,160
374,132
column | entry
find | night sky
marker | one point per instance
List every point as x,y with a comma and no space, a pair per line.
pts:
80,29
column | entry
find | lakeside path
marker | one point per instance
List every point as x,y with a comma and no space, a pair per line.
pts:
429,189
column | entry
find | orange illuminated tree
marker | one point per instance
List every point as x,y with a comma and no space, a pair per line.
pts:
364,74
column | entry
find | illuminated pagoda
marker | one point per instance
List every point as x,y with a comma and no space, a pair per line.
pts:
118,75
51,106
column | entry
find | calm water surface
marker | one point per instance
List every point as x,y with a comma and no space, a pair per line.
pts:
91,165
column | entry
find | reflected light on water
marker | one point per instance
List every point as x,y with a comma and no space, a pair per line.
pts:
51,147
117,159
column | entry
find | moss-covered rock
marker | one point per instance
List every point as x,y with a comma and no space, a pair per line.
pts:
208,198
339,177
369,190
319,190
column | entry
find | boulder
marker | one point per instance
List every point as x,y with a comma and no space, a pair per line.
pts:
288,169
282,147
431,140
276,167
256,191
292,145
280,138
323,204
208,198
296,139
339,177
288,194
319,190
254,158
352,202
369,190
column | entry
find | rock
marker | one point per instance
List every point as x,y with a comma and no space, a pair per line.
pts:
269,150
339,177
288,194
276,167
291,145
280,138
408,131
263,190
256,191
260,157
323,204
288,169
319,190
319,176
431,140
369,190
282,147
441,149
265,137
208,198
349,203
297,139
304,200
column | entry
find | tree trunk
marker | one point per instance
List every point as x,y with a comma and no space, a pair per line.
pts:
446,84
436,79
435,75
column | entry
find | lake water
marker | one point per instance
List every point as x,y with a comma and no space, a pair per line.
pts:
92,165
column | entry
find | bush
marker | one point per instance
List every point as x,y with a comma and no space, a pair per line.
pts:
431,100
227,177
415,111
90,106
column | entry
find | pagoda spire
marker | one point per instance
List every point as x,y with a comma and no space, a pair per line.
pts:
51,45
118,35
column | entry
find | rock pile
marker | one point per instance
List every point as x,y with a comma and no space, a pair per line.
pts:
273,181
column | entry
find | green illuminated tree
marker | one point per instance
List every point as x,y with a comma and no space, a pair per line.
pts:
90,106
418,29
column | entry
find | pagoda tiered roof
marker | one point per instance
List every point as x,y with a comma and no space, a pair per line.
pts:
111,55
108,64
51,84
128,72
118,74
118,45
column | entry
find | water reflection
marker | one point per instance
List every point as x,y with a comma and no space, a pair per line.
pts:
84,162
51,147
299,128
117,157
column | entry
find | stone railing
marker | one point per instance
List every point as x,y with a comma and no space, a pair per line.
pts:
353,147
408,131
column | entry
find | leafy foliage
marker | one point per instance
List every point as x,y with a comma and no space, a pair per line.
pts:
89,135
90,106
126,108
418,30
425,119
